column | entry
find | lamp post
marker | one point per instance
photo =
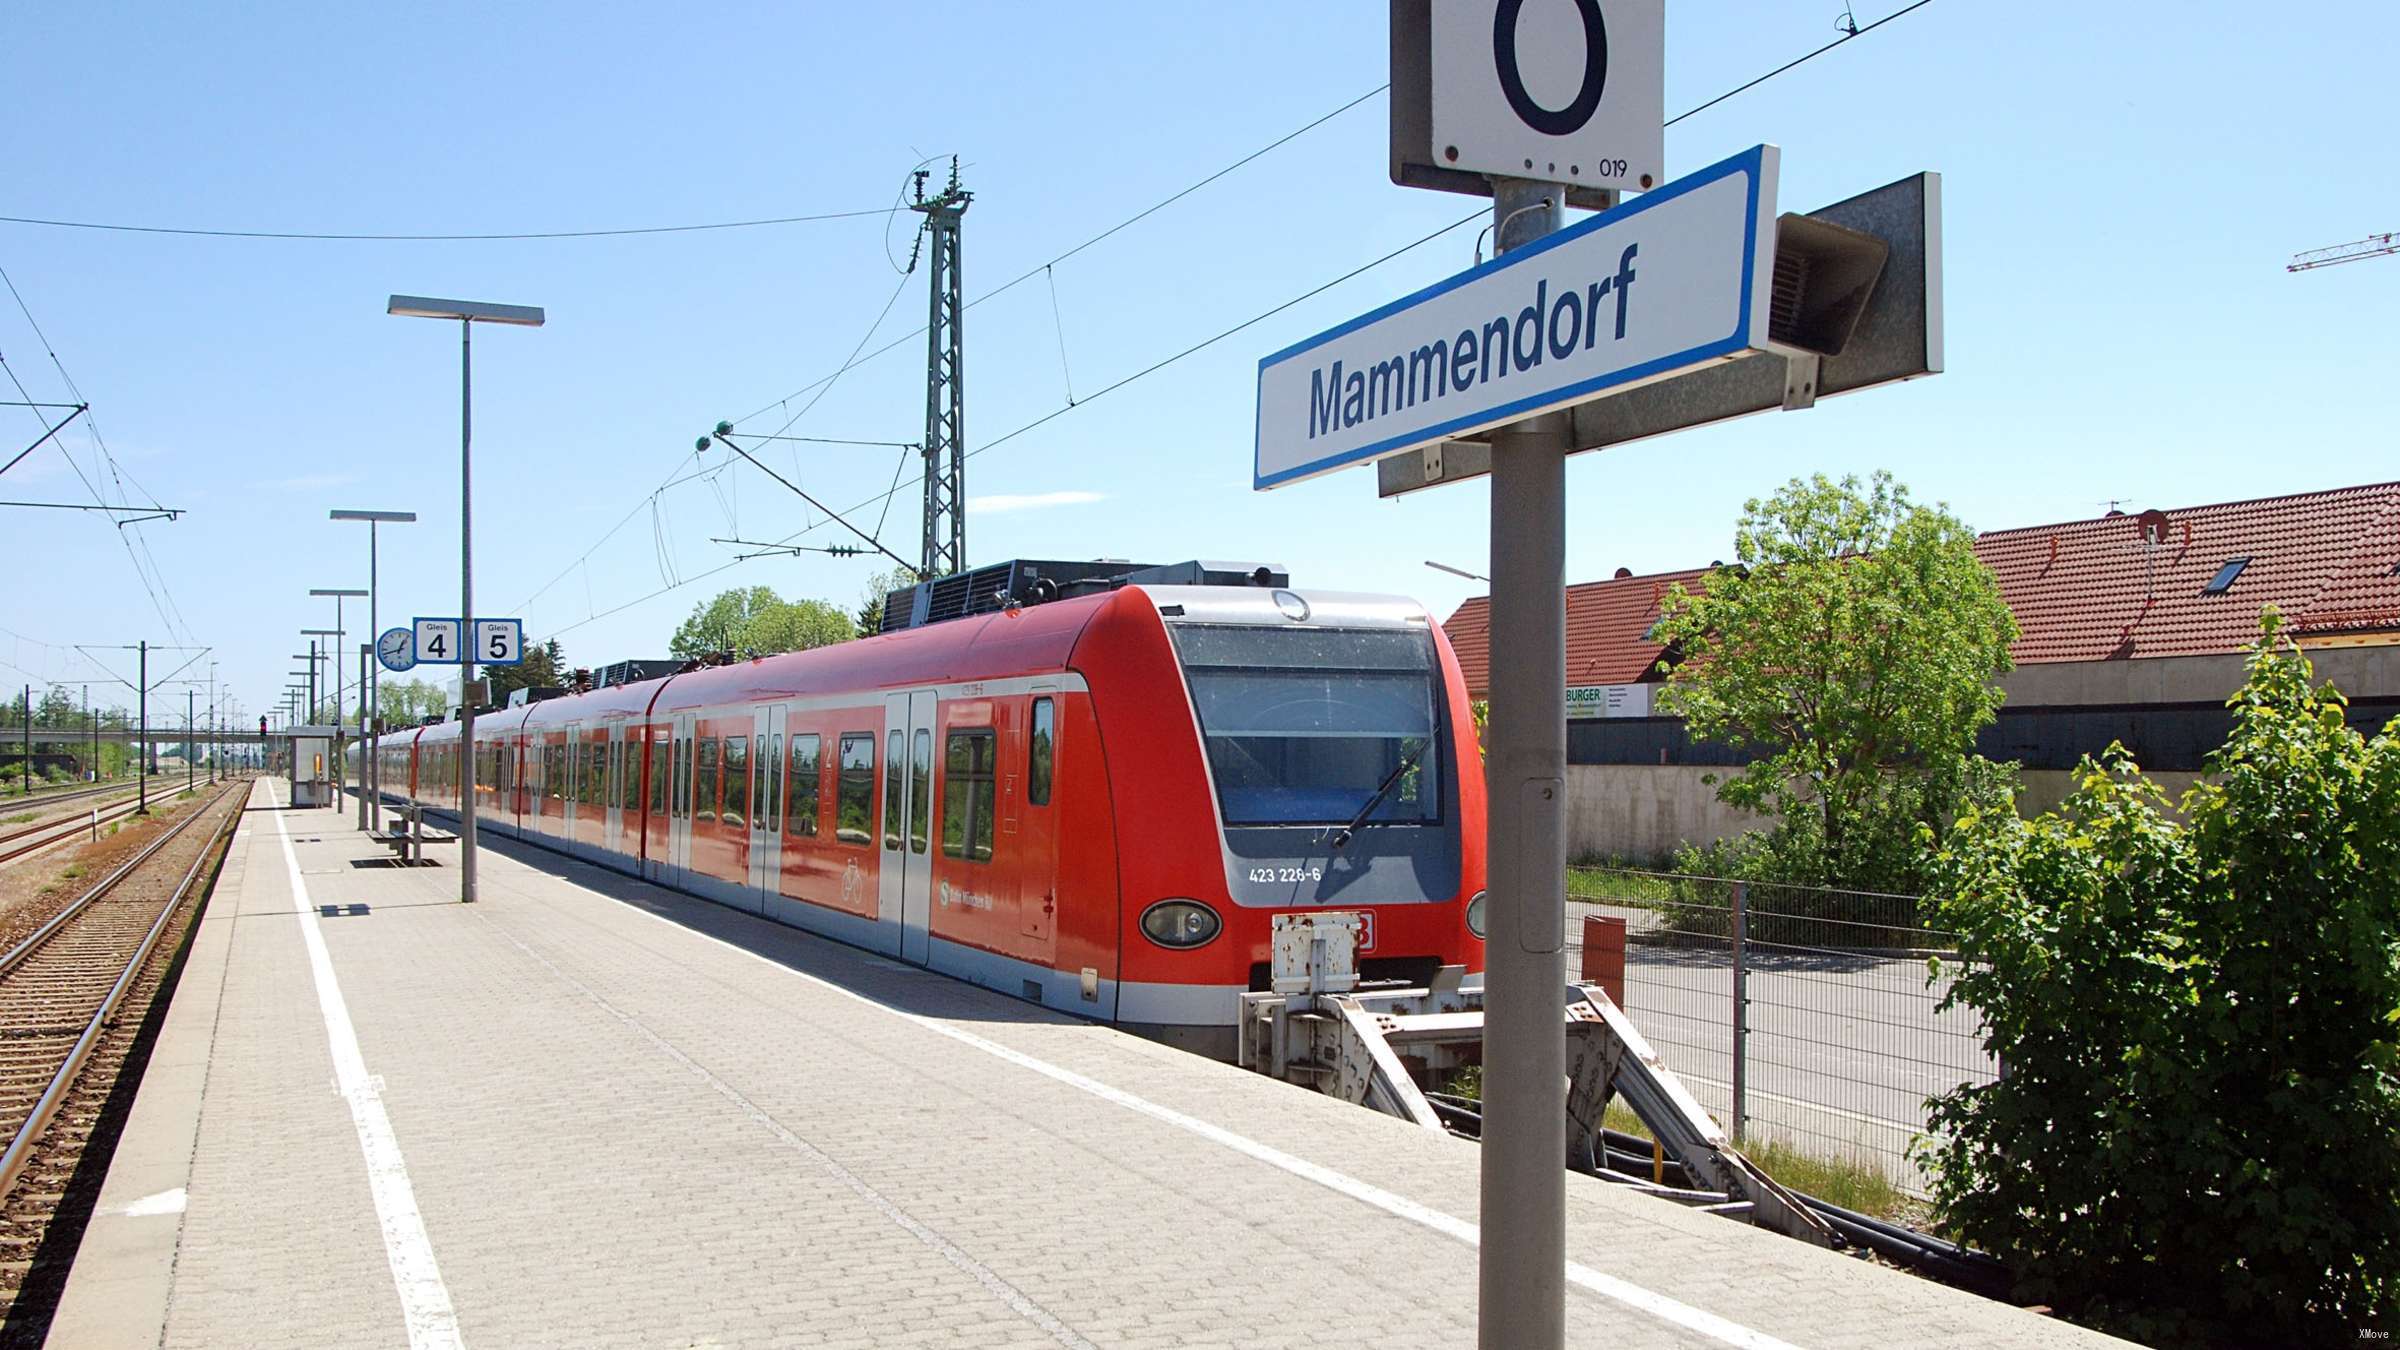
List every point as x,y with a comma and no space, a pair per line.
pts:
374,784
467,313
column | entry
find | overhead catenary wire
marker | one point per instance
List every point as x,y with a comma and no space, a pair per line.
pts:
1036,270
135,543
1055,413
506,236
1006,437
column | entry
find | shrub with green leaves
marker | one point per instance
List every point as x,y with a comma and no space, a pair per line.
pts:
2196,1133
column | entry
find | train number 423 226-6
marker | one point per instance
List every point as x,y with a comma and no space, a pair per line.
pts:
1274,875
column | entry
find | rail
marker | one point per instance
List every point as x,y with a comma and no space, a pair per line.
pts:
28,1132
17,843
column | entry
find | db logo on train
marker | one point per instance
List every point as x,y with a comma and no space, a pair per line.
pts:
1366,930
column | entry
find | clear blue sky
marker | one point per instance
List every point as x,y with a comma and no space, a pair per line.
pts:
2123,185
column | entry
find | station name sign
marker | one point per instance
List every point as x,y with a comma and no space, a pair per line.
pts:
1675,279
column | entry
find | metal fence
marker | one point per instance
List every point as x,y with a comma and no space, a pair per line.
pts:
1799,1013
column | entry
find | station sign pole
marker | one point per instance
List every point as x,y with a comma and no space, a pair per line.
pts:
1522,1261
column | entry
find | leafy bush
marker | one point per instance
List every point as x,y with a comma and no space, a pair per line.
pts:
2196,1135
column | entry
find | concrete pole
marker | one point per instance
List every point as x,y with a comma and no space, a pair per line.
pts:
333,667
466,612
1522,1258
142,766
366,749
188,774
28,765
370,812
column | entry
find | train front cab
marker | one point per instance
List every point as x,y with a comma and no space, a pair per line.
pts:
1249,734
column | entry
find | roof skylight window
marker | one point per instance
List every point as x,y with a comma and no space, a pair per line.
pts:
2223,580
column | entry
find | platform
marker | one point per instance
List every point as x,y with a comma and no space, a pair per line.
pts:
589,1112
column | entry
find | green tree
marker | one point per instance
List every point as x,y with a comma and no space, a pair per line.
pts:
2195,1136
757,621
798,626
870,602
405,703
1854,645
719,624
544,667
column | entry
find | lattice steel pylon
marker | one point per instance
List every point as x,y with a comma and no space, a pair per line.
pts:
945,550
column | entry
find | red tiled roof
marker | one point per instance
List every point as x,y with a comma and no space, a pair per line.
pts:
2085,590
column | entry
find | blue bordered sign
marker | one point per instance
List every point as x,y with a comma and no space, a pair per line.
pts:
1673,280
500,642
436,641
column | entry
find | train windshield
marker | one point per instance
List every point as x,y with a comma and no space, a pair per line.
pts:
1308,726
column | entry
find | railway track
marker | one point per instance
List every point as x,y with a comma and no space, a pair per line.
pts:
39,800
16,843
74,996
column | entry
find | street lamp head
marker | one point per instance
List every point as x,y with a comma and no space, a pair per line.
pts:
320,632
1457,571
386,517
344,594
472,311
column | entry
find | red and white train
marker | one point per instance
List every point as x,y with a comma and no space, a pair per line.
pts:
1094,801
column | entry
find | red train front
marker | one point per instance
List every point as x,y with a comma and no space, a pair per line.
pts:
1092,791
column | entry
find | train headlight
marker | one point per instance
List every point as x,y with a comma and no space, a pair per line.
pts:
1475,914
1181,924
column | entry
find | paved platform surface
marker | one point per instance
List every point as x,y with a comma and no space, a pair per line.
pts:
588,1112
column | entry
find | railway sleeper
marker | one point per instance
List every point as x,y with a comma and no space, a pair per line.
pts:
1381,1048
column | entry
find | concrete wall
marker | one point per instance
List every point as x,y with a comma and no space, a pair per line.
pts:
1644,812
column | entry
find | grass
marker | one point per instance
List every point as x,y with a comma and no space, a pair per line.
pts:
18,819
73,870
1847,1182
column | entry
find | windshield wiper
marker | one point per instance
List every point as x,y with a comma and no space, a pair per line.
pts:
1383,790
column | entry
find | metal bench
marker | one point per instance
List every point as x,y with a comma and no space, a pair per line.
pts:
408,839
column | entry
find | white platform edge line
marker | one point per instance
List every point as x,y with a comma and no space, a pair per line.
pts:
1658,1305
424,1299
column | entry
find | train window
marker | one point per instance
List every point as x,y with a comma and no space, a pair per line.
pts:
803,789
854,803
770,785
1306,727
704,783
595,773
967,795
892,752
920,792
737,782
659,744
1039,751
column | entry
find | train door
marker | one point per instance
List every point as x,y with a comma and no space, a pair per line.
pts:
1026,810
679,814
907,871
571,789
614,792
766,802
655,775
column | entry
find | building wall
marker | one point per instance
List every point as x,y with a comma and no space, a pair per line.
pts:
1642,813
